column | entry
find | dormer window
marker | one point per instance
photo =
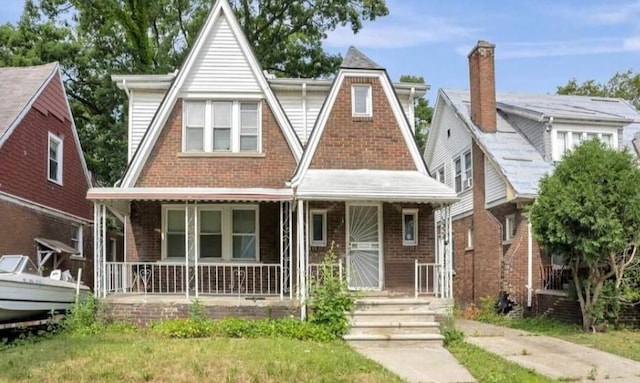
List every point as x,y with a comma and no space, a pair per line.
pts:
221,126
568,140
361,100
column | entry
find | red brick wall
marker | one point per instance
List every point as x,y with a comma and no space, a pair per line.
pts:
20,225
144,242
165,168
24,159
462,261
362,143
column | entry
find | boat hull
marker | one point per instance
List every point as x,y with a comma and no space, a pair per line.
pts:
24,296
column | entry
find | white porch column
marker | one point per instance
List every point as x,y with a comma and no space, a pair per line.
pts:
186,250
449,251
99,246
302,268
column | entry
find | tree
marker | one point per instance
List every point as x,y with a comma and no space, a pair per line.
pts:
423,113
93,40
624,85
588,212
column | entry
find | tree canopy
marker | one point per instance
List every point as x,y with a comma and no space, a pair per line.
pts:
93,40
588,213
624,85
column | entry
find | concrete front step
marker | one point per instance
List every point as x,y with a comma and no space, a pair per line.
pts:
394,340
389,328
390,316
428,304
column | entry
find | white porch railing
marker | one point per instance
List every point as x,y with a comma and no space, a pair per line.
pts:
315,272
254,279
427,279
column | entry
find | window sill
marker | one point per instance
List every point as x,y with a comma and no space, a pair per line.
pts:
507,241
59,183
362,118
78,258
468,249
220,154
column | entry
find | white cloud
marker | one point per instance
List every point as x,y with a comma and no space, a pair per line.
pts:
579,47
611,13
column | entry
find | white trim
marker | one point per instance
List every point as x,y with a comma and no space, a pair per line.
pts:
148,142
509,225
323,214
466,183
468,244
405,241
569,131
59,158
380,243
42,208
327,109
369,100
79,240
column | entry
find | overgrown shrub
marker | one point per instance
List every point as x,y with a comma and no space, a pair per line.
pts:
81,318
331,298
450,333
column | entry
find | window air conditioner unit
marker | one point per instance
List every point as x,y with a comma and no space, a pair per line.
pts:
468,183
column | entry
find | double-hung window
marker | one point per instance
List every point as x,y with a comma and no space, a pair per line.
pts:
76,239
440,177
318,227
569,140
54,160
463,166
224,232
409,227
221,126
361,104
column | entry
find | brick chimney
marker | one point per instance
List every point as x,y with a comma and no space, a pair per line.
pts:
482,80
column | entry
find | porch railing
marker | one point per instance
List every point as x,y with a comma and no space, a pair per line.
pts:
315,272
255,279
555,277
426,278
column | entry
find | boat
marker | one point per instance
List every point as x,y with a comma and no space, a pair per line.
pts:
25,293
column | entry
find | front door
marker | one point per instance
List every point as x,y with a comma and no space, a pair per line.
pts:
364,246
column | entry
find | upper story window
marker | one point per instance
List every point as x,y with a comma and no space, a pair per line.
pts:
54,161
361,104
76,239
221,126
463,166
568,140
510,227
440,177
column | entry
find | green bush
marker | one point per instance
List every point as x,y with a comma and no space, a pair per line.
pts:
450,333
81,318
331,298
184,328
487,311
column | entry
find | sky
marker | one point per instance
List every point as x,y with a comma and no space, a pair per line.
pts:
540,44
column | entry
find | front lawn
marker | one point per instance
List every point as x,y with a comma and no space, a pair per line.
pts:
144,356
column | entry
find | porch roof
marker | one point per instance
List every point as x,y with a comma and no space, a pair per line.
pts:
373,185
190,194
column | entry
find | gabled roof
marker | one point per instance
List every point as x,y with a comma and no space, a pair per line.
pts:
221,7
354,59
19,88
512,154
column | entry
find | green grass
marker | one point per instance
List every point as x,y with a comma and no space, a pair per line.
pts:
490,368
143,356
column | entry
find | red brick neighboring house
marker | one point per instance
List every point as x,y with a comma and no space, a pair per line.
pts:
43,175
493,148
238,182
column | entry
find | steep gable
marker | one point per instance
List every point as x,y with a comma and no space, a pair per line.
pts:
208,74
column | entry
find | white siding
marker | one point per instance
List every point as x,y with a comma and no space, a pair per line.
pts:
221,66
446,148
495,188
292,104
535,132
143,107
407,107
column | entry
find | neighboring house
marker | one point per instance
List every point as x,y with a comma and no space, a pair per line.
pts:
493,149
238,182
43,175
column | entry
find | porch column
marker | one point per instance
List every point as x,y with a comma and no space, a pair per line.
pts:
448,252
285,249
302,268
99,246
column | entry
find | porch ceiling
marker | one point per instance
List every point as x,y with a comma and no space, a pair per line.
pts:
189,194
373,185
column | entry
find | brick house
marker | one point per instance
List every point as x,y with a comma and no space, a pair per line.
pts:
493,148
43,175
239,182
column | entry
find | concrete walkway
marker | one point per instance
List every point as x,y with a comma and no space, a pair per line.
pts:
419,364
550,356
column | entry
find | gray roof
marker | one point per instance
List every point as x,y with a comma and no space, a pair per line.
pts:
355,59
18,87
517,159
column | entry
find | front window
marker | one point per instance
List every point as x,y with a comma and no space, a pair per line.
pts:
409,227
224,232
221,126
318,228
76,239
361,100
463,166
568,140
54,164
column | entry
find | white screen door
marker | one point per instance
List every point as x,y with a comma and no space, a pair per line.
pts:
364,255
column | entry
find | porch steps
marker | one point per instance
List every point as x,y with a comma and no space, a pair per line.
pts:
389,322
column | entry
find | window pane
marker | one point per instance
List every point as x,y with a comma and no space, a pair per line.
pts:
360,93
195,113
175,245
409,224
222,114
244,221
591,136
317,223
575,139
607,139
249,143
467,165
175,221
211,246
561,143
194,139
53,170
458,179
249,118
210,221
53,149
222,139
244,246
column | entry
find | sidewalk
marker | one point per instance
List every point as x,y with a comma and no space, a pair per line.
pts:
550,356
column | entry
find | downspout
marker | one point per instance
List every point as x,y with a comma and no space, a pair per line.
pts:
529,265
304,111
